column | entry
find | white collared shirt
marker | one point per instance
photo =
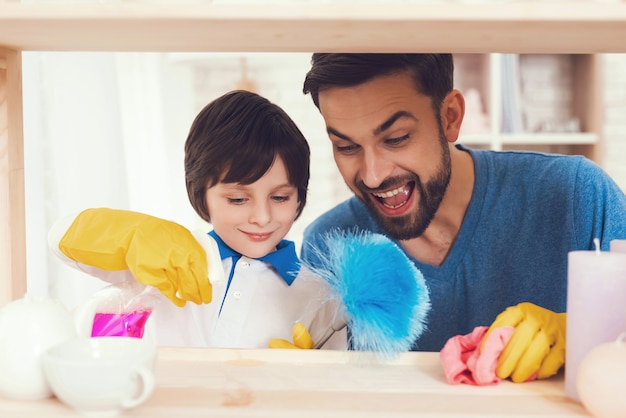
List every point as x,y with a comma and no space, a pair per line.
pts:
259,304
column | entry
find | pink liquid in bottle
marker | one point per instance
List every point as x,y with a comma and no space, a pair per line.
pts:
120,324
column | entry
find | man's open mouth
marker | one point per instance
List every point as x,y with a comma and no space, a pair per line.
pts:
395,198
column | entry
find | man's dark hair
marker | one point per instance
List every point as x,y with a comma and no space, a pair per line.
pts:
432,73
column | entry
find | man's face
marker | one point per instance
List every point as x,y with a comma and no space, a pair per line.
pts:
390,149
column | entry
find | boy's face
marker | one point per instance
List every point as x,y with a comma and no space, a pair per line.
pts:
252,219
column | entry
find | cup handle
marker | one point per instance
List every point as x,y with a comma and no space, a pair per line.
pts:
147,386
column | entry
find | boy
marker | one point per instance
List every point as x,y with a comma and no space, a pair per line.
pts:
247,172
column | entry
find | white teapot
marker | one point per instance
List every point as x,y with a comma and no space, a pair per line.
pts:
28,327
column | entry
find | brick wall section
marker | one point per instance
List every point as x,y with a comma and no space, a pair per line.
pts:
614,161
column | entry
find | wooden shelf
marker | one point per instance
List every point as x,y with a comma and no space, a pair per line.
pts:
550,139
574,101
532,139
260,383
523,27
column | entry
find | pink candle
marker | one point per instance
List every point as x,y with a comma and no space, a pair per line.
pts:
596,306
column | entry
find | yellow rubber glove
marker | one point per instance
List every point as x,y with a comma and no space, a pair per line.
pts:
300,336
537,346
159,253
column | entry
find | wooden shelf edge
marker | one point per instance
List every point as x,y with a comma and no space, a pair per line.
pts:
12,215
532,139
549,138
524,27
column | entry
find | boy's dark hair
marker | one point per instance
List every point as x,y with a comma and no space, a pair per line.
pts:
432,73
236,139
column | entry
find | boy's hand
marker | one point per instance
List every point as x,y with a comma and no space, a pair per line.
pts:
300,336
158,253
537,347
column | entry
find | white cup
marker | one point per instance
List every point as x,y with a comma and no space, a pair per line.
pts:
101,376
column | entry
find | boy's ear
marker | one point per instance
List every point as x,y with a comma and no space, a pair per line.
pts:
452,112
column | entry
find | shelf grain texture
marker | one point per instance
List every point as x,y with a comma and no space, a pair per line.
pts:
522,27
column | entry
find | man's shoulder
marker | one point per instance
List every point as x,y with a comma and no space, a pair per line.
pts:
516,158
345,216
534,168
349,215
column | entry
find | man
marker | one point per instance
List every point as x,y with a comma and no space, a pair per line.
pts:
489,230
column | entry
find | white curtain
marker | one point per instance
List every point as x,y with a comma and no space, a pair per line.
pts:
98,134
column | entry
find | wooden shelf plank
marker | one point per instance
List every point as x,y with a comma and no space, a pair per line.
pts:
582,138
12,214
530,27
550,138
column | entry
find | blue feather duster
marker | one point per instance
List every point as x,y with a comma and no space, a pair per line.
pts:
384,296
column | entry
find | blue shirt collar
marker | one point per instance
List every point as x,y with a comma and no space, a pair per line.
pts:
284,259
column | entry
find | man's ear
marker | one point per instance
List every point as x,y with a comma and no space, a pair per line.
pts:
452,112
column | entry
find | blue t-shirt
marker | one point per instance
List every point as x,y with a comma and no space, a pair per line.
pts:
527,212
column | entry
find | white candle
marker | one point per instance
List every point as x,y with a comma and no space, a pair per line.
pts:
596,306
618,245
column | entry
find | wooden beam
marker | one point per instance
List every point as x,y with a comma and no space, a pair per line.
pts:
521,27
12,211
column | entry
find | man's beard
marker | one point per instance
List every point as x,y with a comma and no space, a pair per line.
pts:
430,196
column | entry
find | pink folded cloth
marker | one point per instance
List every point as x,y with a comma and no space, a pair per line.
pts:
464,362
